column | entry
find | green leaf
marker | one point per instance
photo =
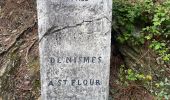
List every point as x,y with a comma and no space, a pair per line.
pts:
157,46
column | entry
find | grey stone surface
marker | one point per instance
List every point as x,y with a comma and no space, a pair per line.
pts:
75,38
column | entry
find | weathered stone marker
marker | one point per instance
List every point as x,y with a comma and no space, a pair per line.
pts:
75,38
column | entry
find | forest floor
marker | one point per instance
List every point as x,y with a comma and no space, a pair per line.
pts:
19,74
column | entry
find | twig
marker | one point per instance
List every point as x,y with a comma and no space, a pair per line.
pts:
150,70
4,34
29,49
142,56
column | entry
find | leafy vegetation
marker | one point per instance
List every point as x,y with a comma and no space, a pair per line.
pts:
145,23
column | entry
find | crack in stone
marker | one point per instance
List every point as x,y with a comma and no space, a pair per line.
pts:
53,28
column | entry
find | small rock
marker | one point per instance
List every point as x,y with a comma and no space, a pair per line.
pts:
37,99
26,83
14,31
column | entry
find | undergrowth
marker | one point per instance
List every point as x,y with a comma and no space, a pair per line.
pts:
145,23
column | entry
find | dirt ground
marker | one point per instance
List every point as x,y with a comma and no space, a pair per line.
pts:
19,74
19,57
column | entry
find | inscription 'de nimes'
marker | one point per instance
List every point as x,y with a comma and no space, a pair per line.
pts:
75,37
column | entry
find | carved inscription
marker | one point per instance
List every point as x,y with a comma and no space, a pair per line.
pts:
75,38
79,60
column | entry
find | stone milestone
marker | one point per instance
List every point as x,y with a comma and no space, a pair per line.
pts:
74,44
